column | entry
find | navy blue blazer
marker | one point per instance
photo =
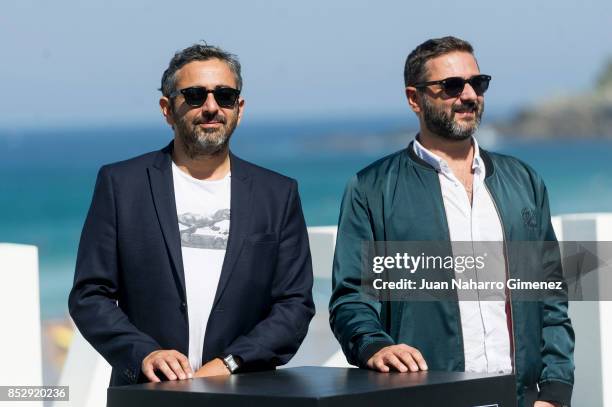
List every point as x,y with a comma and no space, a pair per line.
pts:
128,297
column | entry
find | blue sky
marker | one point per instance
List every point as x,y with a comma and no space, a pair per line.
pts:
96,62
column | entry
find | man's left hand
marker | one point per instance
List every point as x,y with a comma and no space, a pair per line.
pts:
215,367
541,403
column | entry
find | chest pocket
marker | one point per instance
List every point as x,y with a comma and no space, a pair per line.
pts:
259,256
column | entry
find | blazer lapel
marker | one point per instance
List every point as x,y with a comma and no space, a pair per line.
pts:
240,209
162,190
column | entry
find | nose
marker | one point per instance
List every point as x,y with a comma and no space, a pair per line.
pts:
468,94
210,104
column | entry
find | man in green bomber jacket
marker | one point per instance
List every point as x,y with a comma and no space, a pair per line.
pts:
444,188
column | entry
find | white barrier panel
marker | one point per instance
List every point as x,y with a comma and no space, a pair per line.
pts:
20,343
322,243
320,348
86,373
592,320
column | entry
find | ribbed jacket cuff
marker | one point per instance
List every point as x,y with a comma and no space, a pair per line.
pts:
555,391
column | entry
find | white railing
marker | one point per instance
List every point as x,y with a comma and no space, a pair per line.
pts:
592,320
20,341
88,374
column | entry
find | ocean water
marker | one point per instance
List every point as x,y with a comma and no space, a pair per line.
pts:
47,177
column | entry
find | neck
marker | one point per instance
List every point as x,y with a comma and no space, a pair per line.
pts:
202,167
457,151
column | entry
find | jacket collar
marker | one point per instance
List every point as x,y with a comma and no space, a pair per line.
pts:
162,189
420,162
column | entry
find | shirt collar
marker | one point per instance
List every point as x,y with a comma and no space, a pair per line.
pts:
440,164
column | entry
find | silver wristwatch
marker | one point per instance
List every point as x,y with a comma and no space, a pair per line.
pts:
230,363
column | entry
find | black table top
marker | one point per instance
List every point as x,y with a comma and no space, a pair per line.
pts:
310,382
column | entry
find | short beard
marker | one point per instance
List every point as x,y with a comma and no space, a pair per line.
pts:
442,124
203,142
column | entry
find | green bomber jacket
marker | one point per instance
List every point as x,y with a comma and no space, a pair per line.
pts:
398,198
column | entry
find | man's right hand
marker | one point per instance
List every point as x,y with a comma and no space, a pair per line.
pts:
402,358
174,365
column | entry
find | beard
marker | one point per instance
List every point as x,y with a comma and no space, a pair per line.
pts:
439,122
200,141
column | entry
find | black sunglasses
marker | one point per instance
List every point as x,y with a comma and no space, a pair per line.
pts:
453,86
196,96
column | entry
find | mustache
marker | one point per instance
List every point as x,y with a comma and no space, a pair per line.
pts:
466,107
207,118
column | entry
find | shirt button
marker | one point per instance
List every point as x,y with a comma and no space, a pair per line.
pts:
183,306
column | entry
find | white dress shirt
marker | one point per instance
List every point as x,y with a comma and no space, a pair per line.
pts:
486,340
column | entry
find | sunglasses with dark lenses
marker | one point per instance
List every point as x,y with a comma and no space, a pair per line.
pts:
196,96
453,86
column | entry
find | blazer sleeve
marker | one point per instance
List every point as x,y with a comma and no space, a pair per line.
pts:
93,299
354,318
557,376
274,340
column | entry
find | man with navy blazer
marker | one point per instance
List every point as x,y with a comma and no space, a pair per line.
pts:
193,262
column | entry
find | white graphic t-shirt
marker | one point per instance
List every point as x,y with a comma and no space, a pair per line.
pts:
203,210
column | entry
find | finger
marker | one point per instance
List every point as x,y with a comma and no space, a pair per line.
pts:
165,369
408,360
418,358
176,367
370,362
393,360
185,364
379,364
150,373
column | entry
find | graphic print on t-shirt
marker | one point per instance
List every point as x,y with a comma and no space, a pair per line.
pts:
205,231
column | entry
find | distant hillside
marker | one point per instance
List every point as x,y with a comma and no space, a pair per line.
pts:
587,114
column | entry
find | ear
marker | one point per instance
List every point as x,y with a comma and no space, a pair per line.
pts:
240,109
166,108
413,99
